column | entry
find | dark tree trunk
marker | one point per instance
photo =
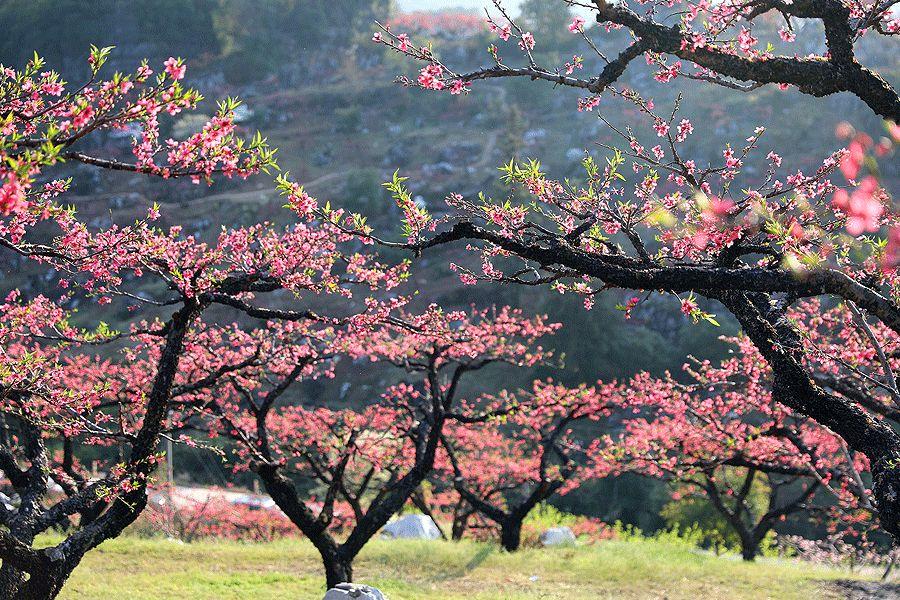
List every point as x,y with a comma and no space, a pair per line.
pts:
11,580
44,586
338,566
460,523
886,488
511,534
91,513
337,570
749,549
780,344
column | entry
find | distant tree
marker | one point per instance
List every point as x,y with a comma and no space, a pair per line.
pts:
512,137
724,438
548,22
690,510
154,28
258,37
506,467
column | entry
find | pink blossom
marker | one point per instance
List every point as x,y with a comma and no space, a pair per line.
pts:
527,41
430,77
684,129
720,207
862,207
53,89
588,104
746,41
894,129
82,117
892,250
577,24
459,87
786,34
175,68
661,127
844,130
853,159
503,33
689,306
12,195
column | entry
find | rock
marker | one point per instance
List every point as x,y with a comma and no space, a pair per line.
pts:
346,591
412,526
558,536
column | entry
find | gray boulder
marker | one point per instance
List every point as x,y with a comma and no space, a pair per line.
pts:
419,527
558,536
353,591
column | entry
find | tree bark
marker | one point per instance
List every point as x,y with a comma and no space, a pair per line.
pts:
11,580
337,570
460,524
749,547
48,585
511,534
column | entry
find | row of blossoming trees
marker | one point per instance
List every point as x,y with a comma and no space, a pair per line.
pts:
759,241
225,331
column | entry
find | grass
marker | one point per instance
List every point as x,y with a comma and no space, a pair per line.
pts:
136,568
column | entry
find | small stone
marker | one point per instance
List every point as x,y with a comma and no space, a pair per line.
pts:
412,526
354,591
558,536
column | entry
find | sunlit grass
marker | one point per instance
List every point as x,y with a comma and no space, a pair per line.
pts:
133,568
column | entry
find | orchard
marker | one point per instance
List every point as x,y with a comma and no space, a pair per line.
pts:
316,356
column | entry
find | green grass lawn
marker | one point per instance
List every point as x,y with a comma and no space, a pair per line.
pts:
133,568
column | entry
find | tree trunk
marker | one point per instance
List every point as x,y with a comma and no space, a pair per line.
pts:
337,570
11,580
460,523
42,587
45,585
511,534
886,489
749,549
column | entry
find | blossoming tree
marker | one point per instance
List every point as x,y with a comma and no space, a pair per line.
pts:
724,434
756,241
53,392
371,459
507,466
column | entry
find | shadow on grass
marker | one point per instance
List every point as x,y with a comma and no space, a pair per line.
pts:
479,557
864,590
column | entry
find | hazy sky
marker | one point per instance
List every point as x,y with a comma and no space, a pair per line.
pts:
479,5
408,5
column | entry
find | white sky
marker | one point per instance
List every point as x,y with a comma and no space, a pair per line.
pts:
478,5
410,5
